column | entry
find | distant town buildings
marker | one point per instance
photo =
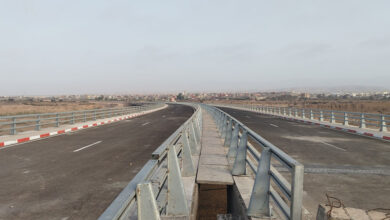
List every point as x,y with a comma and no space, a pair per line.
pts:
201,97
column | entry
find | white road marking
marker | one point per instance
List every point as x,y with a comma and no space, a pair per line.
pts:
331,145
98,142
145,123
274,125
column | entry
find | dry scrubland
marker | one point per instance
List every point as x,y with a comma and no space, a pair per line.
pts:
17,108
366,106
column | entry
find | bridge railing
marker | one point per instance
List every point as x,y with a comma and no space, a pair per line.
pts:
269,185
16,123
359,119
157,189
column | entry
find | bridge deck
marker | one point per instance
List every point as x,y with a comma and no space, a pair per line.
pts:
213,165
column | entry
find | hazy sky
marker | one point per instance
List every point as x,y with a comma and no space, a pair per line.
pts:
125,46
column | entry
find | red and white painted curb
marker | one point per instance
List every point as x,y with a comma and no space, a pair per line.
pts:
63,131
351,130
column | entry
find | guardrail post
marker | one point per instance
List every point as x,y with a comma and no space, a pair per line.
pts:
279,112
188,164
296,113
57,120
284,111
345,119
13,126
177,202
72,118
362,121
224,126
196,130
220,121
228,136
383,126
192,142
146,202
297,192
332,119
289,112
193,139
38,123
215,116
311,114
259,202
303,113
239,167
234,142
321,116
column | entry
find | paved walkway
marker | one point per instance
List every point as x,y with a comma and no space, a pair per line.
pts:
213,165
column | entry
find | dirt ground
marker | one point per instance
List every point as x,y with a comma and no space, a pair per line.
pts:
17,108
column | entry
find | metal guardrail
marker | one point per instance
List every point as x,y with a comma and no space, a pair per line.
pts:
157,190
16,123
269,183
362,120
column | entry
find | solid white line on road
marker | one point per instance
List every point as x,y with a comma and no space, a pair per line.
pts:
274,125
331,145
98,142
145,123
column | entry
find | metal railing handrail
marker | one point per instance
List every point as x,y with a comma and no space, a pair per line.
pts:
67,112
264,142
15,122
245,154
131,201
332,116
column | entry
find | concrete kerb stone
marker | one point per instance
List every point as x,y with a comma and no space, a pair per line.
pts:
73,129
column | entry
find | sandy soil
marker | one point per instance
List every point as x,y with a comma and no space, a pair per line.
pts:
17,108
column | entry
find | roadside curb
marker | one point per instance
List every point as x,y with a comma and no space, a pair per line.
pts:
350,130
63,131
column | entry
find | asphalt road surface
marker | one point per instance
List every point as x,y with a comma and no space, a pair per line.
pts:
352,168
77,175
